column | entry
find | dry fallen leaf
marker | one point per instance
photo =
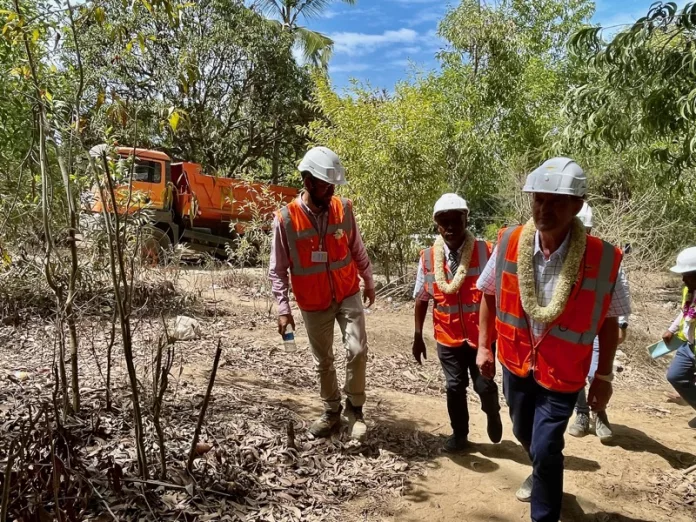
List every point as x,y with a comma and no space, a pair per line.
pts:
203,447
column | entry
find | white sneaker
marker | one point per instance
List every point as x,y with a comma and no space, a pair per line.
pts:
358,428
524,494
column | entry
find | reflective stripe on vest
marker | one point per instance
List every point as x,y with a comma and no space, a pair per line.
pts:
464,308
292,235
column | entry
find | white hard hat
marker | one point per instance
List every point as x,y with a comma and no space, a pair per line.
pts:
585,215
686,261
558,176
448,202
324,164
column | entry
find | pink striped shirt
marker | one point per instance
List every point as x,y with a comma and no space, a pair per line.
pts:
280,256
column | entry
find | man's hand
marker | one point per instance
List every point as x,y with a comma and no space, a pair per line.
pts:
418,348
485,362
284,321
599,395
623,332
369,296
667,336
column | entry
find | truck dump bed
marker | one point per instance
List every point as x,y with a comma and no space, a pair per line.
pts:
213,203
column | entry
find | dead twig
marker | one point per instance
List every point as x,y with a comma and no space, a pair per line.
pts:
169,485
204,407
8,477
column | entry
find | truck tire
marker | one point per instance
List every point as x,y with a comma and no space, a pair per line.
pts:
154,244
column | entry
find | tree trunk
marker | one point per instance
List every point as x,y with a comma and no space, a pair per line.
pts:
275,165
119,278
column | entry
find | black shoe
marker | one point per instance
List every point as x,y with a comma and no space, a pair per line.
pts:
456,444
495,427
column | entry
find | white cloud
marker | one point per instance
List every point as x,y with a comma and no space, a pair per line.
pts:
403,51
350,13
425,16
355,44
349,67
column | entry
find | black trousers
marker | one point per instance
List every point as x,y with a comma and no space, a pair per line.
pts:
458,364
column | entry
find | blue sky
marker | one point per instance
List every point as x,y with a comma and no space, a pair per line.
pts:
378,41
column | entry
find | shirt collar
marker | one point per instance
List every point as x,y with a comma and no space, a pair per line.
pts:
560,252
447,250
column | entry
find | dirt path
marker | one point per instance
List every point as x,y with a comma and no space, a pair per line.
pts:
624,481
639,478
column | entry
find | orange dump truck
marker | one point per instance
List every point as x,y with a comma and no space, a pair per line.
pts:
190,207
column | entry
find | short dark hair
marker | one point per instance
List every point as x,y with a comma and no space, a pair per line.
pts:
305,174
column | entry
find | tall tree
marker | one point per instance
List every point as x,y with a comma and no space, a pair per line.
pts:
316,47
638,89
226,77
505,74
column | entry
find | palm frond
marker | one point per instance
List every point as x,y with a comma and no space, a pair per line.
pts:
314,8
270,7
316,47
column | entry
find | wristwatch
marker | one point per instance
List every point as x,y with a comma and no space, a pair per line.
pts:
623,325
605,378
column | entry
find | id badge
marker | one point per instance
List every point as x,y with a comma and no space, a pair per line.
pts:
320,257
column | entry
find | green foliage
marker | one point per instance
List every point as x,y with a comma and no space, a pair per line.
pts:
393,149
504,78
220,87
317,48
638,89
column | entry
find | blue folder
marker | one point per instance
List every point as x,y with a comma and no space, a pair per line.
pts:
659,349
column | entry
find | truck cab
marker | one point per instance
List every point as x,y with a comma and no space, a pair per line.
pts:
152,178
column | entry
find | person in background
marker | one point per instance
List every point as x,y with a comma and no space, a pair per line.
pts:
316,240
549,290
682,372
447,274
581,426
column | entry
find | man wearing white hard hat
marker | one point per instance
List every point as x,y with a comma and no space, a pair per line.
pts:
682,372
447,275
316,240
581,425
549,290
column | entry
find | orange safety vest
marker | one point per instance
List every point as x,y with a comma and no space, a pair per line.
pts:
317,285
456,316
561,358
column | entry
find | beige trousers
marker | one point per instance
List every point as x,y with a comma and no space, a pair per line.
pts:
320,329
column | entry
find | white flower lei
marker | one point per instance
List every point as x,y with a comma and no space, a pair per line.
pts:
569,273
440,277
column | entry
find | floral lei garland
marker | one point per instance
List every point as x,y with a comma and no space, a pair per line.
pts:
569,273
440,277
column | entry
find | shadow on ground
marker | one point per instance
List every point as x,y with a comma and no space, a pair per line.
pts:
573,512
635,440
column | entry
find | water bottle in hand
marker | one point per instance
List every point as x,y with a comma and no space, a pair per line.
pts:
289,339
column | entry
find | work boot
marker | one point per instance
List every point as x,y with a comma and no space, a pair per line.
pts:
524,494
456,444
358,428
602,427
495,427
326,424
581,426
692,423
